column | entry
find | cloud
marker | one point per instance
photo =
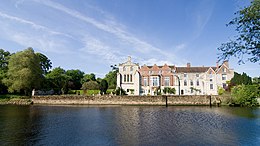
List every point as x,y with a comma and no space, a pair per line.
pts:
96,47
113,28
30,34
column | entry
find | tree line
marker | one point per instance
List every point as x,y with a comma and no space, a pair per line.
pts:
23,71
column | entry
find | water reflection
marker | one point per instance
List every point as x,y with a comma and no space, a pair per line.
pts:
128,125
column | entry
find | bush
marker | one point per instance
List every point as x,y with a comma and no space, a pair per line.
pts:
245,95
220,90
117,91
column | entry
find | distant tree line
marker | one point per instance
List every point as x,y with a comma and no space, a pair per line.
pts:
23,71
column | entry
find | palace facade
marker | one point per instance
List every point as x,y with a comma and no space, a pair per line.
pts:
188,80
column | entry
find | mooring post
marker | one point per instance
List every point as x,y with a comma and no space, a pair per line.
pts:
210,101
166,101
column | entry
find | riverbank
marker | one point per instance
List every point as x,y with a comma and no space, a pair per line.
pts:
128,100
15,101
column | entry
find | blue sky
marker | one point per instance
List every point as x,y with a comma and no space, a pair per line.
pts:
90,35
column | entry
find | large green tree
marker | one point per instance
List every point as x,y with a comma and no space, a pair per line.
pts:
75,78
24,72
111,79
4,55
247,43
88,77
58,80
240,79
45,63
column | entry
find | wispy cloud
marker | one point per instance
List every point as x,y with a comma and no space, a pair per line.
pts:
112,28
32,24
29,34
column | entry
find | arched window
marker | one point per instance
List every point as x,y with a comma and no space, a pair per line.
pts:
185,82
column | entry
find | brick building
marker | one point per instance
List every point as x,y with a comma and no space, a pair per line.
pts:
188,80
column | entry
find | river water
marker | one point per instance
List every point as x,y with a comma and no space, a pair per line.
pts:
128,125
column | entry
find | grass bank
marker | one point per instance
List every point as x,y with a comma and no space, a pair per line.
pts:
15,99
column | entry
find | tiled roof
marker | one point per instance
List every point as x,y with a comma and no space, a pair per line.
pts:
189,69
193,69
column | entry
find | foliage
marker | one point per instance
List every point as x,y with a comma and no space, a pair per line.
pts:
247,42
88,77
90,85
4,55
24,72
256,80
220,90
195,89
111,79
75,79
246,95
58,80
103,86
120,91
168,90
239,79
45,63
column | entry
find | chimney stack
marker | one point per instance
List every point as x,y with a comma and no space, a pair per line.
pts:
217,64
188,65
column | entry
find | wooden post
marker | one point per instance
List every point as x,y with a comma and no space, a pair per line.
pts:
166,100
210,101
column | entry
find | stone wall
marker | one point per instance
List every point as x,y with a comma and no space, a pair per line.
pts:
126,100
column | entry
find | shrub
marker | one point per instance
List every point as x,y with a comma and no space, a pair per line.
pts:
246,95
220,90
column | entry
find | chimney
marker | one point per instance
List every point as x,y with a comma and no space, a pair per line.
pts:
188,65
217,64
226,63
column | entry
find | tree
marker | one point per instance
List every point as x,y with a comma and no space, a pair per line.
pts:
247,43
90,85
58,79
256,80
245,95
75,78
24,72
88,77
239,79
4,55
45,63
103,86
111,78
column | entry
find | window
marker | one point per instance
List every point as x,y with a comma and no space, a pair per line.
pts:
185,83
210,80
185,75
224,76
124,68
124,78
211,86
127,78
155,81
131,68
167,81
145,81
198,82
224,69
191,82
197,75
131,78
